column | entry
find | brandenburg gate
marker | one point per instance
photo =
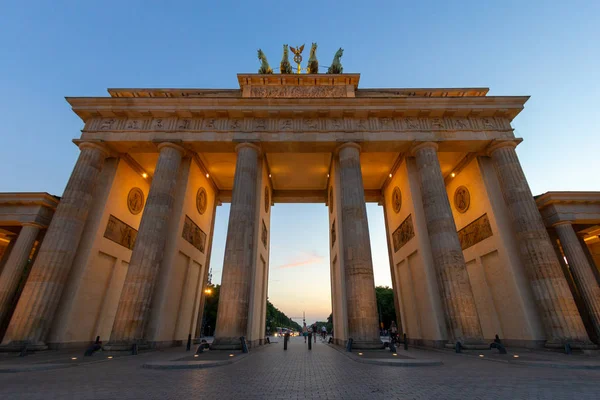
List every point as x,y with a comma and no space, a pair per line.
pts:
126,254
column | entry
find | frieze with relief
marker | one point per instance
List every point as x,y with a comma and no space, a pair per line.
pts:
120,232
475,232
193,234
303,124
404,233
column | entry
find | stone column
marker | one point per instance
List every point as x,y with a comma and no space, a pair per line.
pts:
234,296
356,247
37,305
451,270
15,266
136,297
557,308
581,270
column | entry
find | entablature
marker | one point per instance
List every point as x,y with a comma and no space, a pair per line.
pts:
364,107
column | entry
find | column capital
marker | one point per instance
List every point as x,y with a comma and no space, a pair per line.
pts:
34,224
249,145
347,144
422,145
172,145
559,223
94,145
500,144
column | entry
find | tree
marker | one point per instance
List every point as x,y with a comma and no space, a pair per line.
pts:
275,318
385,305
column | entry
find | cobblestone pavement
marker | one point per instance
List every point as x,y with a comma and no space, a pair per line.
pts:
323,373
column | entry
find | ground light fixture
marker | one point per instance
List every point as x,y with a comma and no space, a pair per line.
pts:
110,357
516,356
481,355
231,355
73,358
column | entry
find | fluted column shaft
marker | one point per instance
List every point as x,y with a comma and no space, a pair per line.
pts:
136,297
581,270
356,247
451,270
556,305
234,295
37,305
15,266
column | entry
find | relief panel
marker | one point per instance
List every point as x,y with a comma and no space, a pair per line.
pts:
475,232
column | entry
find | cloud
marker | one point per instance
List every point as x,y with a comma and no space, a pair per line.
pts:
311,260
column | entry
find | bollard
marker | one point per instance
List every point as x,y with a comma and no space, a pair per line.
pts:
134,349
188,347
349,345
244,346
285,340
567,348
457,347
309,341
405,342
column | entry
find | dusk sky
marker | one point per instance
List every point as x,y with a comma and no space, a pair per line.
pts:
545,49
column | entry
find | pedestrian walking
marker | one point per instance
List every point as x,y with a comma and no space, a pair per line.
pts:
304,332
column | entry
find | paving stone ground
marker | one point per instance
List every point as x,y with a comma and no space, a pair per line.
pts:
323,373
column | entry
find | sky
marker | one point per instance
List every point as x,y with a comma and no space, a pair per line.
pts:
545,49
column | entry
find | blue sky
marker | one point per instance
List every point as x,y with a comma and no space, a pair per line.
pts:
545,49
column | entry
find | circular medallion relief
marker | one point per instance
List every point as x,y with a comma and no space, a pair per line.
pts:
396,200
462,199
135,200
267,200
330,200
201,200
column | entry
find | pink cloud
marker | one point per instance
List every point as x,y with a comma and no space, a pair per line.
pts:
312,260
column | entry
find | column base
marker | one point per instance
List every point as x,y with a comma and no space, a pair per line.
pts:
17,346
574,345
469,346
367,345
124,346
226,344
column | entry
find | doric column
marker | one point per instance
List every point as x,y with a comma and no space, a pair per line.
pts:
557,308
37,305
356,247
581,270
15,266
134,304
234,295
451,270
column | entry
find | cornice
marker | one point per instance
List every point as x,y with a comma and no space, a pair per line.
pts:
549,198
29,198
503,106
